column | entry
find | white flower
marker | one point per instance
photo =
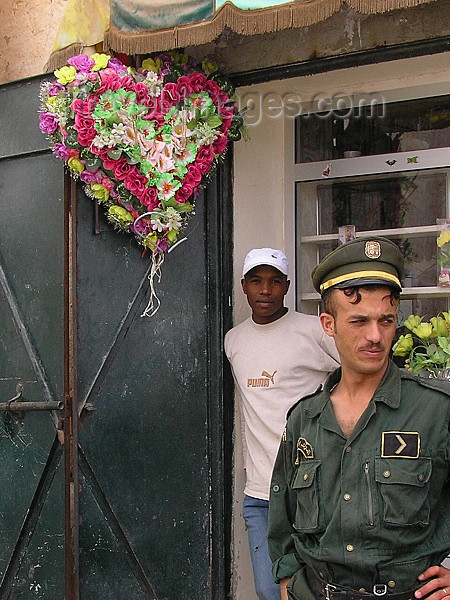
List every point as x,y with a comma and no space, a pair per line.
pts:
173,219
205,135
157,225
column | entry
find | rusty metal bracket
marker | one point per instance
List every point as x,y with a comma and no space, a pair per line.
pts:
18,405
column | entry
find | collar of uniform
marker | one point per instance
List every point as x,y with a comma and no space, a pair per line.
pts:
389,390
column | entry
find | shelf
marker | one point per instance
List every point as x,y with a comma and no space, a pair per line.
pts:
409,232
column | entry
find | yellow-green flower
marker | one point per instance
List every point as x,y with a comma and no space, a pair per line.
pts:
172,235
423,331
99,192
100,60
179,58
65,74
150,240
412,321
75,164
152,65
404,345
444,238
51,100
208,66
439,326
121,214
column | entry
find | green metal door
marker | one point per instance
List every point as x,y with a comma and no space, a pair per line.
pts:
125,493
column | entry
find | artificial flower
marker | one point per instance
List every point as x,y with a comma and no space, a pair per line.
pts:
142,141
427,347
65,74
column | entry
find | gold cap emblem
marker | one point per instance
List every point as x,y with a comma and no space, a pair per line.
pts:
372,249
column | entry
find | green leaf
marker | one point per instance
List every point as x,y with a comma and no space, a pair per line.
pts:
214,121
185,207
115,153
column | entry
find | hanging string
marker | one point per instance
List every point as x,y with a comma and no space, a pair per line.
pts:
154,302
157,260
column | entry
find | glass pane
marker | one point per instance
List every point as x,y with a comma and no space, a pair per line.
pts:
382,202
376,128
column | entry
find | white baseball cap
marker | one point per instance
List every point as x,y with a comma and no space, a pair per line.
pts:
265,256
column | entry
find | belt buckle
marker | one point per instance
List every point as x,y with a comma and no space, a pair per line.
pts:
329,588
380,589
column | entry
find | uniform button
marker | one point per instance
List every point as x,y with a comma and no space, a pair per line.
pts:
349,548
386,474
347,496
348,449
276,488
391,584
321,575
421,477
362,590
305,476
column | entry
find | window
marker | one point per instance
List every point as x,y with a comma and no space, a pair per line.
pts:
384,169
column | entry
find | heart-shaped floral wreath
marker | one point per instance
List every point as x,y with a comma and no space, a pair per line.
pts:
143,141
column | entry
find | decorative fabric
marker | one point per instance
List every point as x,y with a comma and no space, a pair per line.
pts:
127,35
84,24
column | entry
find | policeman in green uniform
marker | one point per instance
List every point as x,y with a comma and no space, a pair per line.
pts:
360,494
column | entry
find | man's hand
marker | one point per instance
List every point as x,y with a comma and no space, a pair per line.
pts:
283,590
437,588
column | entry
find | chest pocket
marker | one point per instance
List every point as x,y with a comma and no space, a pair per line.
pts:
404,488
305,486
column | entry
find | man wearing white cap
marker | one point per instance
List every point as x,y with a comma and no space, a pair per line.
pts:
277,356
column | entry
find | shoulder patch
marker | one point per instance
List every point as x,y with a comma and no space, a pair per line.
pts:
440,385
318,390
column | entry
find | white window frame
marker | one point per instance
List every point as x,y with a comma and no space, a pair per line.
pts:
435,159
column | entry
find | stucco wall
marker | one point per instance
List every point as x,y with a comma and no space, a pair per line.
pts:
27,32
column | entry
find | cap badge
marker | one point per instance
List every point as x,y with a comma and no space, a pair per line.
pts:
372,249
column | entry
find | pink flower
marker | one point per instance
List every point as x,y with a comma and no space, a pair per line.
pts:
91,176
107,183
82,62
83,107
48,122
184,88
162,245
121,169
220,144
196,81
225,106
56,88
61,151
141,91
135,183
169,96
108,163
111,80
114,63
193,175
142,227
184,193
149,198
85,127
204,159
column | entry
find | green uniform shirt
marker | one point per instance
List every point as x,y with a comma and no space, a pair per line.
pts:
370,509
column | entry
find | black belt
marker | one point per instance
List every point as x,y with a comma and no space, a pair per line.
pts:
331,591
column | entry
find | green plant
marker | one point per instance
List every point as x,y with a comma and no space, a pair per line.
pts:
427,347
